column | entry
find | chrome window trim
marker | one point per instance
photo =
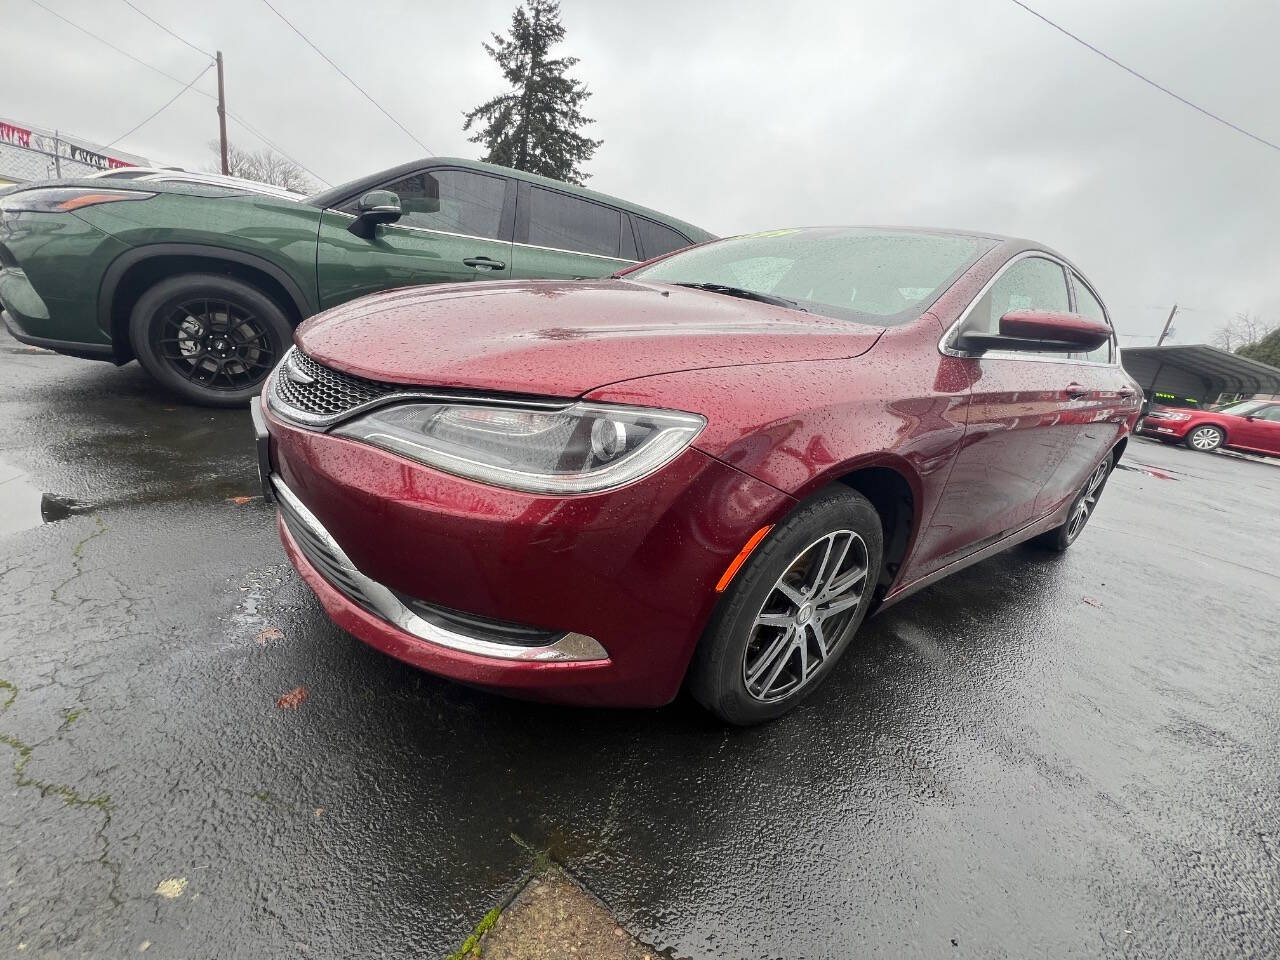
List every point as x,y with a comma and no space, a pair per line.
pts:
576,253
945,342
468,236
291,414
572,647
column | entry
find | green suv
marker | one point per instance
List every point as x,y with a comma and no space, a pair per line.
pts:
204,283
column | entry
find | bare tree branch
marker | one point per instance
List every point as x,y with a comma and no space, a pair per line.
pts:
265,166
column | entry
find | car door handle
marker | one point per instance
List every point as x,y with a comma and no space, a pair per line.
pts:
1075,390
1125,393
485,263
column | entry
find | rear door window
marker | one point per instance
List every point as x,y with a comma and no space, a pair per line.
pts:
569,223
655,239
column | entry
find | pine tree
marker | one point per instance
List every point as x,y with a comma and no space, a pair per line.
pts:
534,126
1266,350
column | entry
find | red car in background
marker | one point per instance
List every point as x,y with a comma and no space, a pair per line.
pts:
708,469
1250,425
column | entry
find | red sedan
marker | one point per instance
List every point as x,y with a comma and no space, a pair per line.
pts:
707,470
1250,425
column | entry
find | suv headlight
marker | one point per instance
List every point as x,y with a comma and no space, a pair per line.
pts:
65,199
583,448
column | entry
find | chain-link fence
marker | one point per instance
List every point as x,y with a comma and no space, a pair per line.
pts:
28,153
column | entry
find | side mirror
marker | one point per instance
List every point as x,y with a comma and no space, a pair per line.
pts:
375,207
1039,331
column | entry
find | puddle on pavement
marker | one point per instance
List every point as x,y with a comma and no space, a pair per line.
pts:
23,505
1149,471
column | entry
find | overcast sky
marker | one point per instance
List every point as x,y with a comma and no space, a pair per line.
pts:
741,116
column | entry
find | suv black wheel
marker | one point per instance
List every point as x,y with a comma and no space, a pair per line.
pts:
791,611
211,339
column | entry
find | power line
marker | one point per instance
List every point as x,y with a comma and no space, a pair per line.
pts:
1147,80
275,146
138,10
166,106
90,33
168,76
406,130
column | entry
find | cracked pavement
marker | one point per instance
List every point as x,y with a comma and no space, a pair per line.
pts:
1039,757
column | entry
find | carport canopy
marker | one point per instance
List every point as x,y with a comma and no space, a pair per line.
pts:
1197,371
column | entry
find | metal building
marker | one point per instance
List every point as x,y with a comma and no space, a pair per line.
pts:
1197,373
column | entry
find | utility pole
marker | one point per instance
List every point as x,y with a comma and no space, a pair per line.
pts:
222,118
1163,333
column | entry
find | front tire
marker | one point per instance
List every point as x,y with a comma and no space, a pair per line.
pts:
1206,439
209,338
791,611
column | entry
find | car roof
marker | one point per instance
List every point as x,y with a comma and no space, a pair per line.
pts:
346,191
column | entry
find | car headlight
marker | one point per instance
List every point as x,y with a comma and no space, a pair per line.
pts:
582,448
65,199
1176,416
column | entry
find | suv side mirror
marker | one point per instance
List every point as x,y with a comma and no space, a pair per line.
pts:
1039,331
375,207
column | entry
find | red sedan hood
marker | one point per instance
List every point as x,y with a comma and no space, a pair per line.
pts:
563,338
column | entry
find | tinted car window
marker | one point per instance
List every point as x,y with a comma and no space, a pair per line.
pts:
1087,305
568,223
847,273
1030,284
456,201
1269,413
655,239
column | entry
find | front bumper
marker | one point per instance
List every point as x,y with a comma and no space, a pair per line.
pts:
1167,429
632,570
20,325
321,552
51,268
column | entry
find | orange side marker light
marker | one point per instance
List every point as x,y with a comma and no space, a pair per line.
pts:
741,558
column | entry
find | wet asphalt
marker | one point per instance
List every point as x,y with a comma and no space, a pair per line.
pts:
1040,757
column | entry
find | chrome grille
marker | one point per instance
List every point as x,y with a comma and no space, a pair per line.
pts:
311,392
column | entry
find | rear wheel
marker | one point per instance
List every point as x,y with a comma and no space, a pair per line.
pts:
1205,439
791,611
211,339
1059,538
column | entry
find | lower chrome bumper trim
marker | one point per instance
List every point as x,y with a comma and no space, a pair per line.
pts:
329,560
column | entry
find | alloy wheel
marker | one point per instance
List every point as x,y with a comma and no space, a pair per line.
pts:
217,344
1206,438
805,615
1088,500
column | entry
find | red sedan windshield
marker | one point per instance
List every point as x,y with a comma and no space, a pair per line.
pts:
851,274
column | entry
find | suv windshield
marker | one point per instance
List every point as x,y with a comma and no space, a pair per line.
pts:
875,276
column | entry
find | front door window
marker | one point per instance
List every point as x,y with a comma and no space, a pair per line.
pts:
454,201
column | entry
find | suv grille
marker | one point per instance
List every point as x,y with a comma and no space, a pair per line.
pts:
310,392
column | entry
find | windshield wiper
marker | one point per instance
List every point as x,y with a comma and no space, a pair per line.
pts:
745,294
